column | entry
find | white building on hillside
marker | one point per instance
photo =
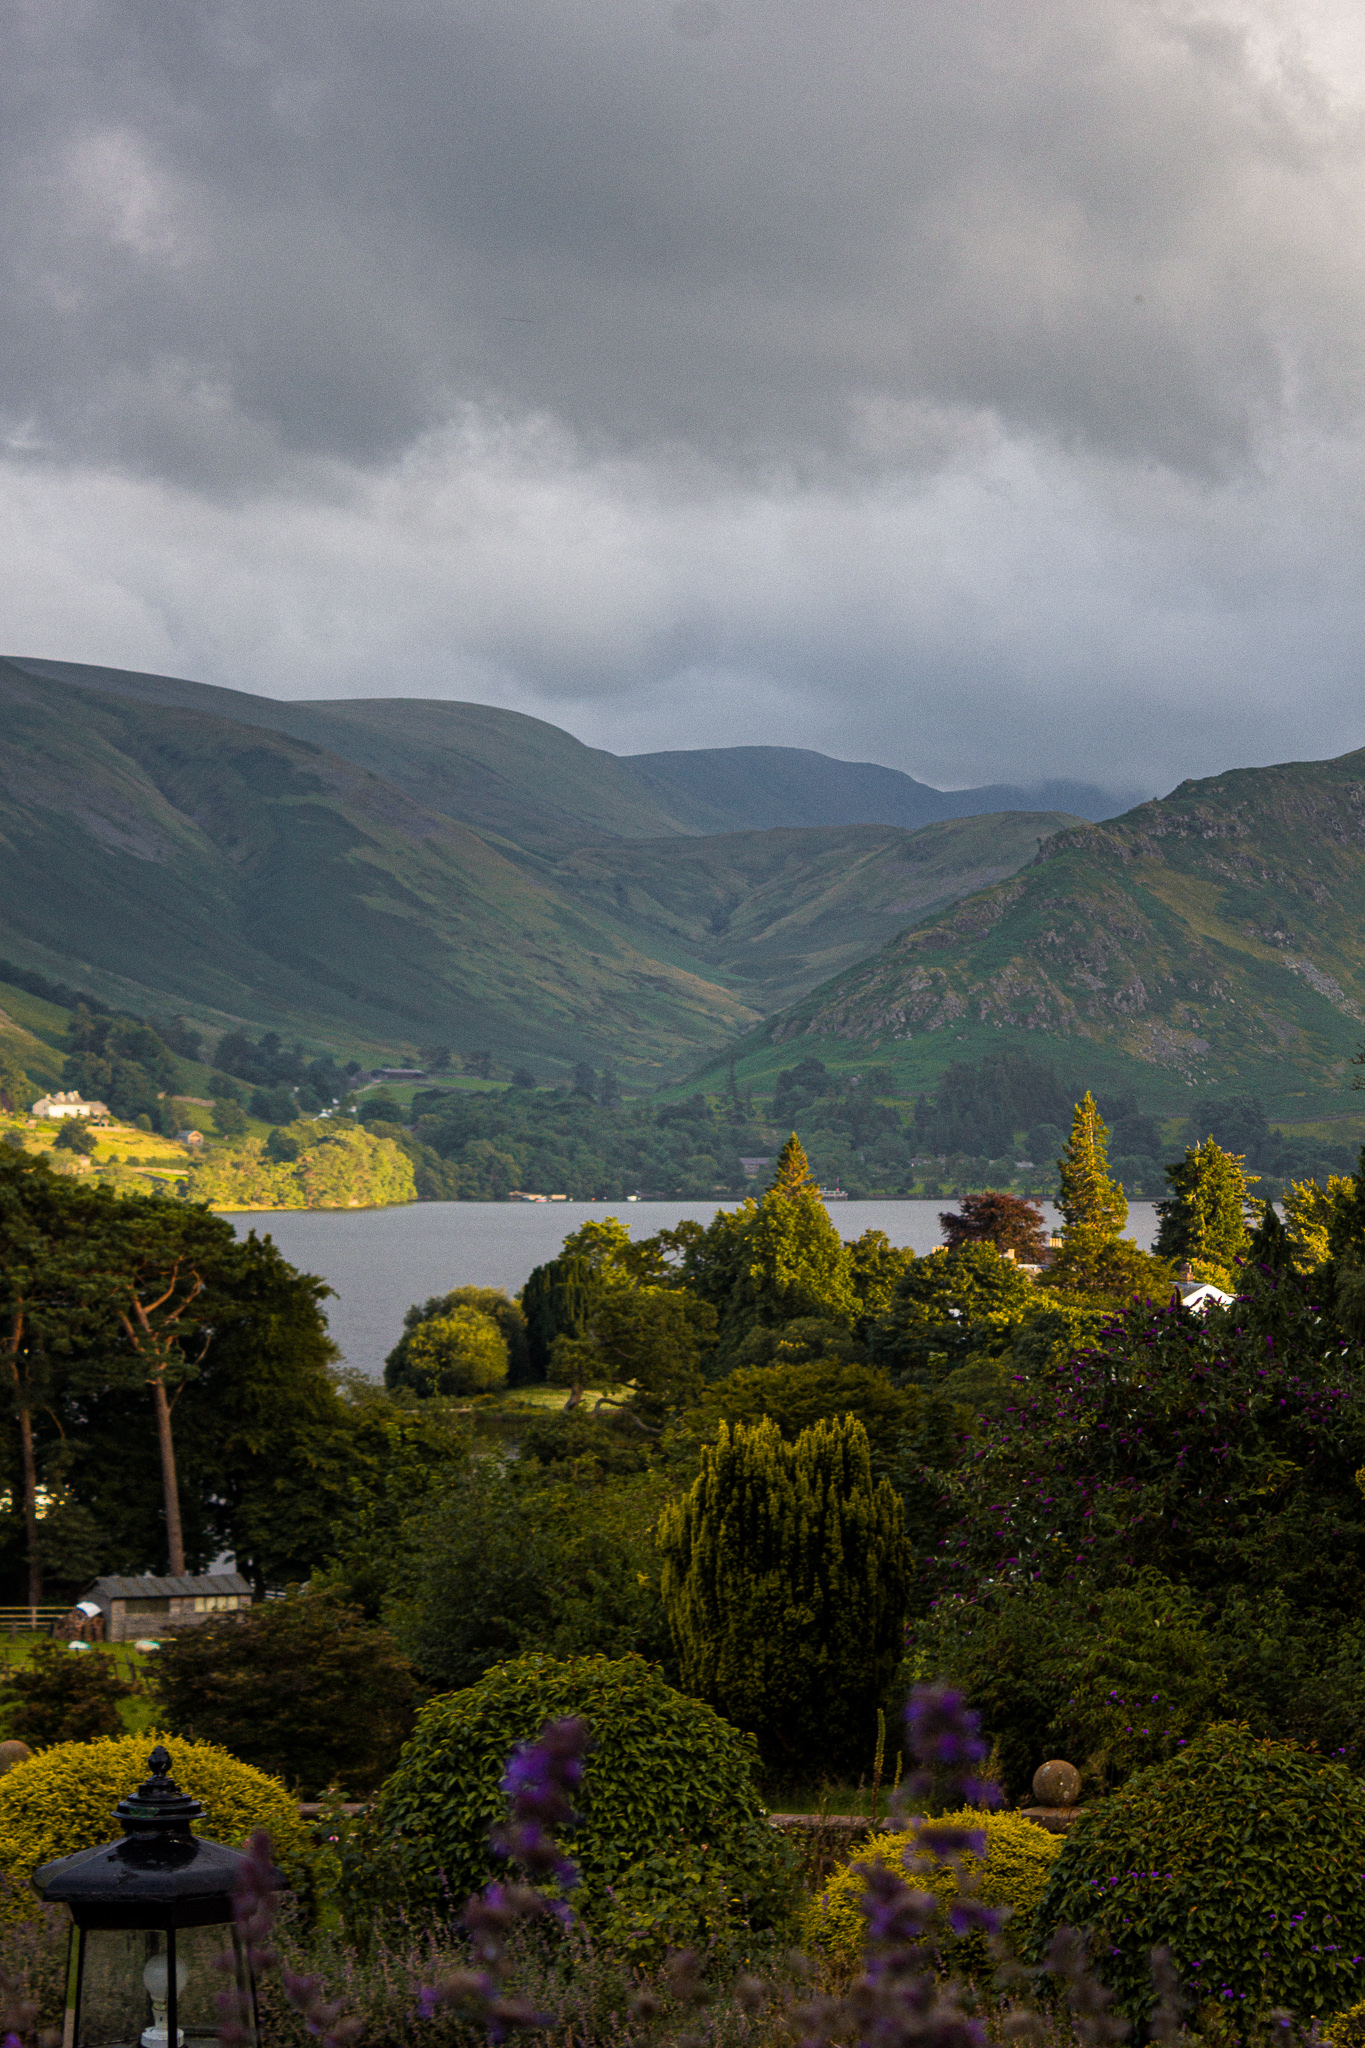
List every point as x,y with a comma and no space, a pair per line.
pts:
71,1104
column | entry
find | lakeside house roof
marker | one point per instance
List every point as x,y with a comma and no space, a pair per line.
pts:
169,1589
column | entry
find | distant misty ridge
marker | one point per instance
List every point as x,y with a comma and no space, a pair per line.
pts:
704,789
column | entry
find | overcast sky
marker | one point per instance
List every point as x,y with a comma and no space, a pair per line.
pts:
974,386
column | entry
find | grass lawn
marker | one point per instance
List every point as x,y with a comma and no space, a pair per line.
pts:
552,1398
131,1665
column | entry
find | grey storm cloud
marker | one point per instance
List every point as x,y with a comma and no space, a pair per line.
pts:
957,383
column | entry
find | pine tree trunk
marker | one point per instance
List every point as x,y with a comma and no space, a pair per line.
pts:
175,1542
35,1566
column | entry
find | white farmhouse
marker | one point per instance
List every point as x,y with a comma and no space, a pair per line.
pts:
70,1104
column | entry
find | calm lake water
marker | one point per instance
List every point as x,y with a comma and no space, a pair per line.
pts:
379,1261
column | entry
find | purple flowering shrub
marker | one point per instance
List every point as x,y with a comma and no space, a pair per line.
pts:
1214,1458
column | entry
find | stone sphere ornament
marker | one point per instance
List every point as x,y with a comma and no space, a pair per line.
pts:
1056,1783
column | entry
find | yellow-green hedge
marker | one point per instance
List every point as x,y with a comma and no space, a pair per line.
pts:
1347,2030
63,1800
1019,1857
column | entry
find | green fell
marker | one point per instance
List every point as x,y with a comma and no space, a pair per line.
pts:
1212,940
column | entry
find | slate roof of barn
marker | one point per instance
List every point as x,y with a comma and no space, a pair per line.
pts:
177,1588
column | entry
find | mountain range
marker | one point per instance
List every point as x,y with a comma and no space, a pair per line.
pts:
392,873
387,874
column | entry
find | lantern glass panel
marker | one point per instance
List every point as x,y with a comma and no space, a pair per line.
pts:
123,1970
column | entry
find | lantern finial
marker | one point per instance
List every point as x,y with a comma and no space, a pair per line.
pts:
158,1810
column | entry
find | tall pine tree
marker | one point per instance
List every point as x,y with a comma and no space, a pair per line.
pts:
1088,1198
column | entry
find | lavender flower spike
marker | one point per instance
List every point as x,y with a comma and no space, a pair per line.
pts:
945,1736
540,1782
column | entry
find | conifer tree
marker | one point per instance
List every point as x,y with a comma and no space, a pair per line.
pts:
784,1582
1088,1198
1204,1217
792,1175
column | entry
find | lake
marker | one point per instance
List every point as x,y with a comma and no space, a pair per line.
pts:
379,1261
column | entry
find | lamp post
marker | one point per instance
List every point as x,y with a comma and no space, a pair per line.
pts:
153,1938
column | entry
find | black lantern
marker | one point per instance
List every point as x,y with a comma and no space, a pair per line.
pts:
153,1940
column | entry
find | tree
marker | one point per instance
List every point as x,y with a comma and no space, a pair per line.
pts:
269,1451
559,1295
489,1301
559,1562
304,1688
769,1262
1204,1217
876,1268
16,1090
158,1255
52,1294
784,1582
61,1696
463,1352
1310,1209
949,1305
1008,1222
647,1340
798,1393
1088,1199
1106,1269
74,1136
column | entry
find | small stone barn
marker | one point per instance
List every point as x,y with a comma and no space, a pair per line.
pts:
149,1607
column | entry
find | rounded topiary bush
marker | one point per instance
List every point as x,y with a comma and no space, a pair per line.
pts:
1245,1857
63,1800
671,1839
1018,1862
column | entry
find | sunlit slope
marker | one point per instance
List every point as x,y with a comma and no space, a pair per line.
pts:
1215,938
771,913
151,849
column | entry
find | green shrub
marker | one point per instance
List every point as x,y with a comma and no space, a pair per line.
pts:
302,1688
64,1800
1244,1856
62,1695
671,1838
460,1353
1019,1859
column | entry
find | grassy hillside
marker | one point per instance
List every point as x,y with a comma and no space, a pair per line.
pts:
169,858
771,913
526,781
516,777
1212,940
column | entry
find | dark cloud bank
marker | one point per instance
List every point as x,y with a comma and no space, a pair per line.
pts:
971,387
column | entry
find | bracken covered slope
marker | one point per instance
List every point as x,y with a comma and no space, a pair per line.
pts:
1214,937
